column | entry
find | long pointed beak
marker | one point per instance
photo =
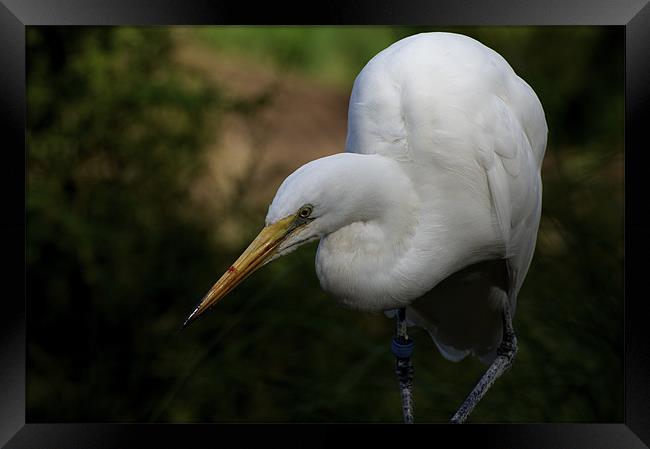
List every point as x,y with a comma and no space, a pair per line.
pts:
255,256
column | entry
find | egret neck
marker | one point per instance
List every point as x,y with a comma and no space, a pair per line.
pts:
365,213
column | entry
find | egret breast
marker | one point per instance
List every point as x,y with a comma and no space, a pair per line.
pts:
356,264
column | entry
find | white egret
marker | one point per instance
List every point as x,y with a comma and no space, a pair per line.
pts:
432,210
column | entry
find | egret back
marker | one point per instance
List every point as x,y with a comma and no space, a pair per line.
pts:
445,102
463,125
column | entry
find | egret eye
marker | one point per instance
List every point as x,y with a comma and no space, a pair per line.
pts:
305,211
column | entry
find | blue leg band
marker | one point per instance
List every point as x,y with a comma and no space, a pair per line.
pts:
402,350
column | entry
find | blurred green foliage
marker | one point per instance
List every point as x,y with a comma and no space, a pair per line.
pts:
114,132
117,254
328,54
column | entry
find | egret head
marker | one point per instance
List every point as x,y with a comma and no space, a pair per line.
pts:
317,199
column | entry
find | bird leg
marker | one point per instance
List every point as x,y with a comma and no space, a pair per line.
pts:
402,348
506,353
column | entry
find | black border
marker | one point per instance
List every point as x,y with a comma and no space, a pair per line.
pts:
16,14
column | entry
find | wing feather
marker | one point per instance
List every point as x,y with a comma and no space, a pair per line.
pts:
446,100
445,103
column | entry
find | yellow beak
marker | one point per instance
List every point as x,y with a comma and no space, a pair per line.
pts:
258,252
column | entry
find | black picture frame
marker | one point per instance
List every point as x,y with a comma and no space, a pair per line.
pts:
15,15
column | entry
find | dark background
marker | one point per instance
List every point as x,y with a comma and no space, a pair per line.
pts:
152,155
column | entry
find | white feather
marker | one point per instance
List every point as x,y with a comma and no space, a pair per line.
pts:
441,173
